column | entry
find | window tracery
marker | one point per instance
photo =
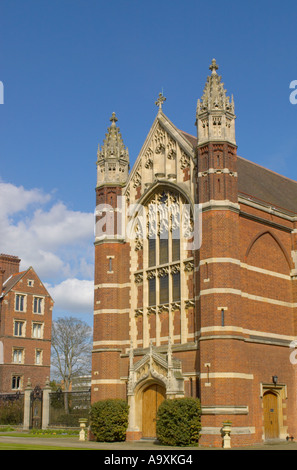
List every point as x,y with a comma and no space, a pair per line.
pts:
166,222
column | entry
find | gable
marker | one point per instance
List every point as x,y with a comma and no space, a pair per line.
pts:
11,282
166,156
158,367
20,280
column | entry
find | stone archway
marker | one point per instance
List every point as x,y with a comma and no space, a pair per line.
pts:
151,379
274,402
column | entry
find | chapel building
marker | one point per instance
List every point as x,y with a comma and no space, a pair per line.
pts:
196,278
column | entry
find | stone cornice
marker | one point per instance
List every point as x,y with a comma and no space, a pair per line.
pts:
268,208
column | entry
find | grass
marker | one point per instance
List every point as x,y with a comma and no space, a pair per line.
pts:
15,446
59,434
52,433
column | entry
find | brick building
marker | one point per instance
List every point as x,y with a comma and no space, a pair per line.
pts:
25,327
196,278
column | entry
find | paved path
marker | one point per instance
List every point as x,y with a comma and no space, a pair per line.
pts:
73,442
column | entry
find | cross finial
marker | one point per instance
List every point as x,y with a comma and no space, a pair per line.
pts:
160,100
213,66
113,118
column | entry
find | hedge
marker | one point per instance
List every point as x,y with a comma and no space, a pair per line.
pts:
179,422
11,412
109,420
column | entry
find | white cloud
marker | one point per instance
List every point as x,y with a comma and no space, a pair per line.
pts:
60,226
56,241
73,295
15,199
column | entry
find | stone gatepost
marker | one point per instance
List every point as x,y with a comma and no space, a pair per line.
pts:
27,405
46,405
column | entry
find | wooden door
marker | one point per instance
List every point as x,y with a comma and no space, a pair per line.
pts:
151,400
271,426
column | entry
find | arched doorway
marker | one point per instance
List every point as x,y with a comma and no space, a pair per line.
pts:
271,418
152,398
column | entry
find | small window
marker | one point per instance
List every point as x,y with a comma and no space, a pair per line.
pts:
38,357
222,317
30,283
38,305
20,303
18,329
17,356
110,264
16,382
37,330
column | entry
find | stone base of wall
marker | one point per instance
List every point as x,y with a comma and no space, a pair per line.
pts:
133,435
237,440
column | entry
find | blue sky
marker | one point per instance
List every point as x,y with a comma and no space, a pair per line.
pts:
66,65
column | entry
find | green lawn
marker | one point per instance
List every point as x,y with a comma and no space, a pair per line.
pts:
14,446
37,435
58,434
25,435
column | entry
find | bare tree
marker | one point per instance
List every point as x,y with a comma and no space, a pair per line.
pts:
71,350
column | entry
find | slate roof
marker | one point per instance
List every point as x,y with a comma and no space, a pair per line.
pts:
11,282
266,185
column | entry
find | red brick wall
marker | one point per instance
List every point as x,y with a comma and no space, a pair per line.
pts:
111,307
252,344
247,348
37,373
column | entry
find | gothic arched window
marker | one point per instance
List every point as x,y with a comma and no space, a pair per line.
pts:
161,265
163,248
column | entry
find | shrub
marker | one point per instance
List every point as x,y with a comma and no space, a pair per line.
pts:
11,412
109,420
178,422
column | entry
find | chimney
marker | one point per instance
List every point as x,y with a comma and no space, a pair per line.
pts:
9,265
1,279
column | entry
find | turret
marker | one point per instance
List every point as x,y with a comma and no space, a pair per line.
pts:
112,158
112,269
215,111
217,150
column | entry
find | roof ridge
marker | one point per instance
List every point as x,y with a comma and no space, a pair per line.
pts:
185,132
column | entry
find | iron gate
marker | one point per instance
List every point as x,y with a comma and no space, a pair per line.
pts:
36,408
